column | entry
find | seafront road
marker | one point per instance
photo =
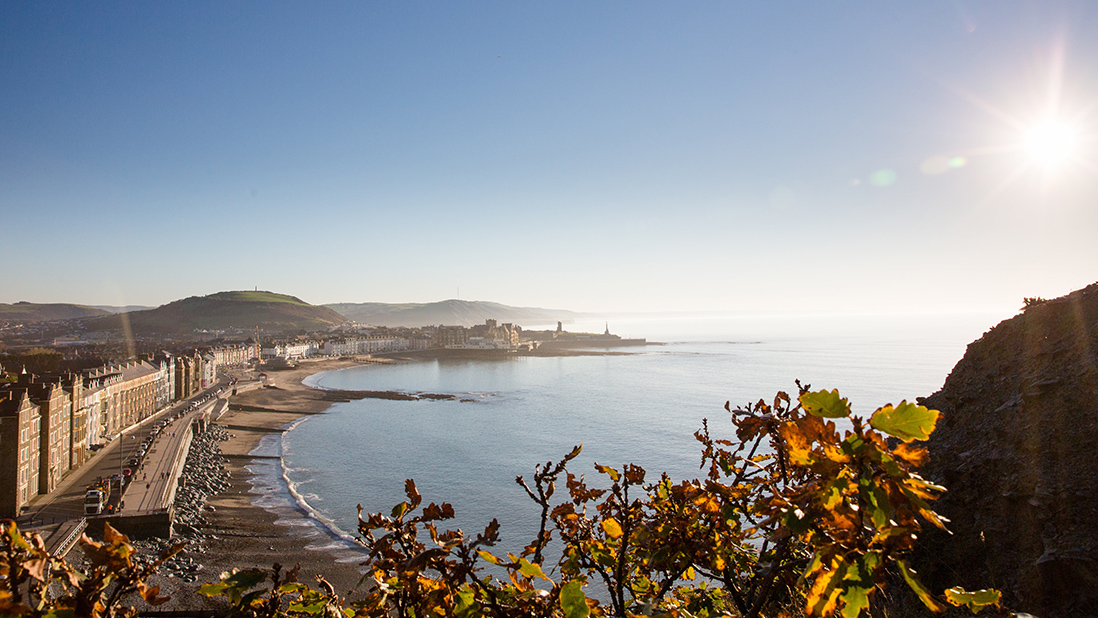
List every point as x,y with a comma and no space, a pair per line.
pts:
153,483
154,480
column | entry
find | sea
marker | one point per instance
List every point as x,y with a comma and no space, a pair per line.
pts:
641,405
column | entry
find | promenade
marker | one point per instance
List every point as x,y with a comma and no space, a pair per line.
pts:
153,481
156,478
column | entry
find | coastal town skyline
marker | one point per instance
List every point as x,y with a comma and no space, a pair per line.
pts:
611,158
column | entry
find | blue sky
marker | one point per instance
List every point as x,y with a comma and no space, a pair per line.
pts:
640,156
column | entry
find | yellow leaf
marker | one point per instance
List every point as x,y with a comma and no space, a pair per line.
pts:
975,600
607,470
917,587
906,421
911,454
827,404
823,595
489,557
798,445
612,528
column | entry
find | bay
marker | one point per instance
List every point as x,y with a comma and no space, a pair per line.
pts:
640,407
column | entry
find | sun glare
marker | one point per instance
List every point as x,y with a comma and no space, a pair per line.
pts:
1051,142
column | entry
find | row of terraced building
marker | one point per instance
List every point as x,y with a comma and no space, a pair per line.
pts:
52,424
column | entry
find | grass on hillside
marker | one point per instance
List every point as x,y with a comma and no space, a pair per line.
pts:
20,308
258,297
17,309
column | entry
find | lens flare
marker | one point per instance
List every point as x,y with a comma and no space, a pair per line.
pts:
883,178
941,164
934,166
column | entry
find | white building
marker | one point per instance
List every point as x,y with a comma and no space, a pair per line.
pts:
291,351
364,345
232,354
209,370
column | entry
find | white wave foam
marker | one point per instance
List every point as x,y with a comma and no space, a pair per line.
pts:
274,492
303,504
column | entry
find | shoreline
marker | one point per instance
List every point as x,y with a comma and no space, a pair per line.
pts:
257,520
243,534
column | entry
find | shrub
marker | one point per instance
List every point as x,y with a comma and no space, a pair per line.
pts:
34,583
791,517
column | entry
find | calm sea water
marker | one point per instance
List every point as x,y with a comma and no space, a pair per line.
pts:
642,407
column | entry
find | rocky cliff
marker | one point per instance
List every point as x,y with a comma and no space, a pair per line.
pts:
1017,446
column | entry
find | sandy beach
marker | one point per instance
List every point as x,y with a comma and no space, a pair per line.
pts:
240,534
249,536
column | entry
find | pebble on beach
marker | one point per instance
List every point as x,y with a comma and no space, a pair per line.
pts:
203,475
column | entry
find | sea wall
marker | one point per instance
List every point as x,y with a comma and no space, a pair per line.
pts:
143,525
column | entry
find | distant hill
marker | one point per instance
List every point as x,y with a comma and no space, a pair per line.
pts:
269,311
39,312
122,309
448,312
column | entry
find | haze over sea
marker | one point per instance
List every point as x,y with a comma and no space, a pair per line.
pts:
642,407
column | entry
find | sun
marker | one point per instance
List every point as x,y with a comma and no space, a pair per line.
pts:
1046,138
1051,142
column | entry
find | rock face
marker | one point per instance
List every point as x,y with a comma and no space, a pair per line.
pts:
1017,446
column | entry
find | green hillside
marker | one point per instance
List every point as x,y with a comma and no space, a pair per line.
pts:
259,297
269,311
45,312
121,308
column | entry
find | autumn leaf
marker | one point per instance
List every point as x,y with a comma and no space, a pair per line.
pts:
855,599
612,528
827,404
212,589
110,535
911,454
917,587
906,421
607,470
798,445
529,569
573,601
489,557
823,595
151,594
413,494
975,600
36,568
17,538
436,512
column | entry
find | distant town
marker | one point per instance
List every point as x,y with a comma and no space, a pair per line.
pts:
64,395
